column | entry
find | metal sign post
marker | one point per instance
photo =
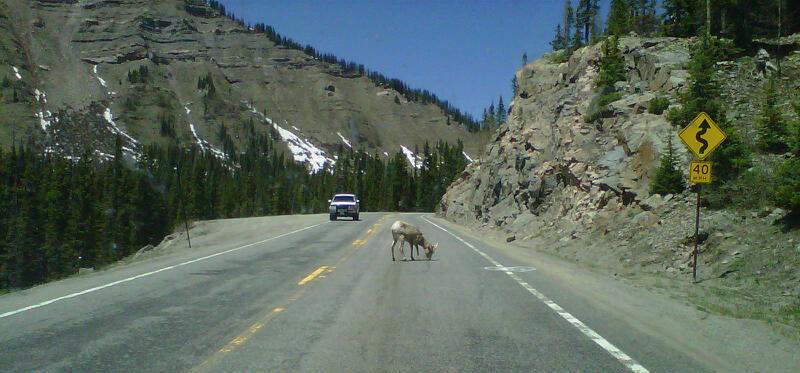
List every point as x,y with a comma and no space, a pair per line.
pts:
702,136
696,235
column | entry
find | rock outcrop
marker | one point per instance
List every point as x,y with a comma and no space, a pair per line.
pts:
548,164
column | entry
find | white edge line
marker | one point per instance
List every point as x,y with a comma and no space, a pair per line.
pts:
110,284
621,356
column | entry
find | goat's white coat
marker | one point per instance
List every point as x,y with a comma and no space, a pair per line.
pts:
402,231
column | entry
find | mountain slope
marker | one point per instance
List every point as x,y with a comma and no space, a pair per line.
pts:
89,70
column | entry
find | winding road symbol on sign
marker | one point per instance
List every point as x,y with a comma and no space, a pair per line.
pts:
702,136
699,137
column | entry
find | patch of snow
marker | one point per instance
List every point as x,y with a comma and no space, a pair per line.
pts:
104,155
414,160
203,144
260,114
469,159
16,72
217,153
102,81
134,153
344,140
197,138
40,96
302,149
44,119
386,154
110,119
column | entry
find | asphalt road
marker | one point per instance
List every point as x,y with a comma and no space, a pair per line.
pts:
304,294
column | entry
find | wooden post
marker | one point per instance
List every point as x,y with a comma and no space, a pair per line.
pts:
183,205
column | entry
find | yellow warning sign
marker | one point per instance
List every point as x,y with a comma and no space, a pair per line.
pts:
702,136
700,172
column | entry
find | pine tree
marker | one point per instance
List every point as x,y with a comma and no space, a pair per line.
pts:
668,179
772,129
427,180
643,16
681,17
560,40
619,22
514,87
794,133
596,31
612,66
57,261
786,186
524,58
569,21
501,112
703,87
577,40
586,19
490,118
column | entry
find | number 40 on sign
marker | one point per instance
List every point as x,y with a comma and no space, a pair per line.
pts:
700,172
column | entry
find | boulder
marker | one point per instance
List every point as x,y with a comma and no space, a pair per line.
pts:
651,203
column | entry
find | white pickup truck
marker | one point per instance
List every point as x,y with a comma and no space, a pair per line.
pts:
343,205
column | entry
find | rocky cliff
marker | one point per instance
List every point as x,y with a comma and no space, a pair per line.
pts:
548,164
552,180
78,73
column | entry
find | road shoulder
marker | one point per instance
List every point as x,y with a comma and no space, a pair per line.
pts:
748,345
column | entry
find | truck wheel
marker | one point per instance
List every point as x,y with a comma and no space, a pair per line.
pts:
333,217
355,217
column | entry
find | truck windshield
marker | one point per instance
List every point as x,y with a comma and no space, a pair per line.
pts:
344,199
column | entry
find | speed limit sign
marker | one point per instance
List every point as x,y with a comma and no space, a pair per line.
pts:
700,172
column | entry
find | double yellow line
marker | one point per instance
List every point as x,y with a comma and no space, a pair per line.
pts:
251,331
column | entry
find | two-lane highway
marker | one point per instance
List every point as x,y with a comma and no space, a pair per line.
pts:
168,313
304,294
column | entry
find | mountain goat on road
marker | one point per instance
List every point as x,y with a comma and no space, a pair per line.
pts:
403,232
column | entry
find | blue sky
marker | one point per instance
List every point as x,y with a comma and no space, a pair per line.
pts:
463,51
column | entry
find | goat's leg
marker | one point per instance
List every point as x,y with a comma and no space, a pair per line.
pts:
403,243
394,242
411,249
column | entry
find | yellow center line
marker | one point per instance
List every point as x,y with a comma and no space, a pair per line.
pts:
253,329
311,276
246,335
